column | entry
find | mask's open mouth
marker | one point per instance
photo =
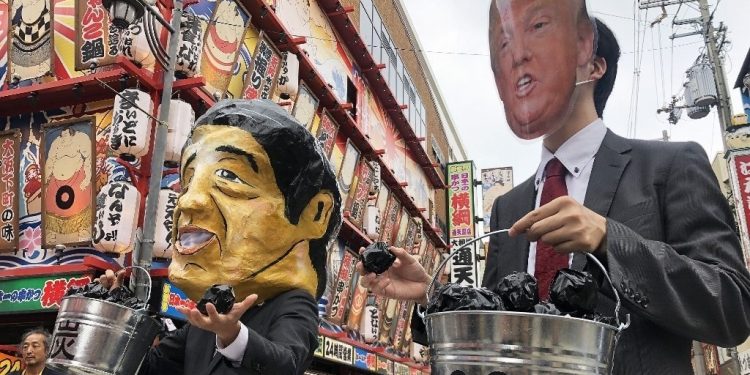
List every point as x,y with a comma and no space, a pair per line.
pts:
191,239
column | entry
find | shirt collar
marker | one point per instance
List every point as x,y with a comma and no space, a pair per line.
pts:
576,152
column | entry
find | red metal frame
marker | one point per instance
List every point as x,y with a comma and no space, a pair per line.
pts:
265,19
339,18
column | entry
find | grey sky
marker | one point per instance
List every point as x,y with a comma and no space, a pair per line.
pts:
454,34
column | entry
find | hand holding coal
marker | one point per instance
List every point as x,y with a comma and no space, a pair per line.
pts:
377,258
574,292
518,291
221,296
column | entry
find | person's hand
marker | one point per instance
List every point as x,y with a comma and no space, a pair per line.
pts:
111,280
564,224
225,326
406,279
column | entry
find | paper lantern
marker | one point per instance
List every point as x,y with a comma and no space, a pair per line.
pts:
131,127
369,326
116,221
164,222
191,44
134,43
372,222
181,118
289,76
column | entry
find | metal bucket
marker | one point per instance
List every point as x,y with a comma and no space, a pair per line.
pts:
98,337
505,343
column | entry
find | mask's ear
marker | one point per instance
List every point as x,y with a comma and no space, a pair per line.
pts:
316,215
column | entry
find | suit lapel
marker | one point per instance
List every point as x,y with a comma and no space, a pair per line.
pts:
609,163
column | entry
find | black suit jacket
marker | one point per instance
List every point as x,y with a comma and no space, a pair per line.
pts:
282,336
672,251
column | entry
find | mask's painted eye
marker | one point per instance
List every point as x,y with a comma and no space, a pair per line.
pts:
228,175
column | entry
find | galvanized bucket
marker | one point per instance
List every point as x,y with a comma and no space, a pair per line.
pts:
505,343
98,337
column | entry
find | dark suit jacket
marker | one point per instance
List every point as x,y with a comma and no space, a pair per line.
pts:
672,251
283,334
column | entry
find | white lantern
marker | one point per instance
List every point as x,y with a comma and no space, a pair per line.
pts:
418,352
181,118
372,222
164,223
116,223
134,42
191,44
130,133
369,326
288,76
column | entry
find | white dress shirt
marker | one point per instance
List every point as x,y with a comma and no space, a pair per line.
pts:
236,350
577,155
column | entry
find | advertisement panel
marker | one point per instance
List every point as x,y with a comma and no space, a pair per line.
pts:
37,293
495,182
365,360
460,177
172,298
9,165
338,351
739,172
9,363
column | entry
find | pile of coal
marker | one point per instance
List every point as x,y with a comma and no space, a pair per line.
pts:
377,258
573,293
518,291
121,295
454,297
221,296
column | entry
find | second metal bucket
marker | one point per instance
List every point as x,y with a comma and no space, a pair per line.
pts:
98,337
517,343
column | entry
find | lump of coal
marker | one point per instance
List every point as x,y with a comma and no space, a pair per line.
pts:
546,308
518,291
120,294
574,292
221,296
454,297
93,289
377,258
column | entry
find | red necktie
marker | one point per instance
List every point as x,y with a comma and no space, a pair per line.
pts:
548,262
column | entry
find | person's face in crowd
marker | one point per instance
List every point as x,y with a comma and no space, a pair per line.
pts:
33,350
538,47
231,223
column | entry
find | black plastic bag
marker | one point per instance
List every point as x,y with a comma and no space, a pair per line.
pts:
574,292
93,290
377,258
546,308
221,296
454,297
518,291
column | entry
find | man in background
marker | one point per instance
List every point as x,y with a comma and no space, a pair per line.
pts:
34,347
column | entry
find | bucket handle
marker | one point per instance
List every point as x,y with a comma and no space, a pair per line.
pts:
150,283
430,288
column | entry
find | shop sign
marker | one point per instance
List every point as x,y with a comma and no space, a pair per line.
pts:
385,365
495,183
460,179
36,293
337,351
463,264
173,297
739,166
321,347
9,151
9,363
400,369
365,360
744,358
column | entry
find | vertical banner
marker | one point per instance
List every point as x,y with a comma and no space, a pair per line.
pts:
739,175
31,45
263,71
327,131
305,106
337,310
460,177
390,219
97,38
358,200
9,167
221,47
495,182
348,168
68,182
710,359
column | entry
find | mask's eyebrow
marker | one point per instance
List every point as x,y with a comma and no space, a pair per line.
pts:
234,150
187,163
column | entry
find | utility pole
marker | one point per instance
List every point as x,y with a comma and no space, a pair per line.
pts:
723,108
